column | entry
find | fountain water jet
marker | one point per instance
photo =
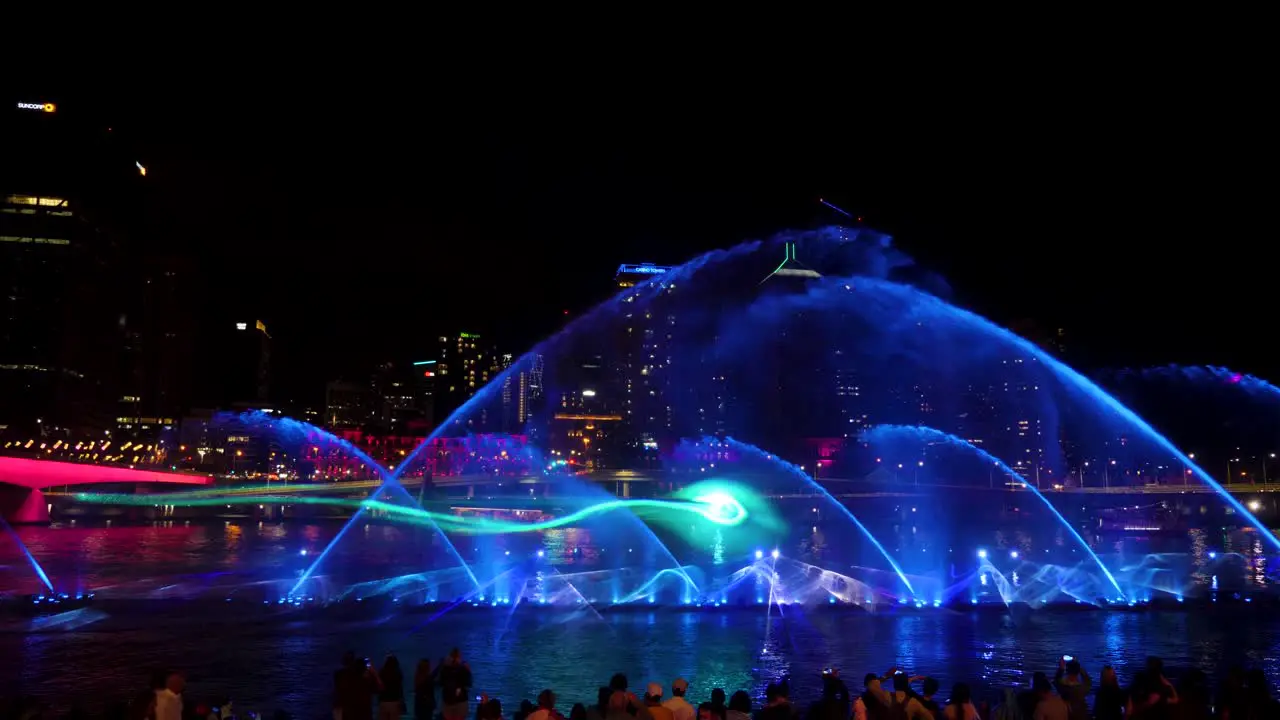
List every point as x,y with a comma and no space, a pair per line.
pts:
1205,374
916,304
648,289
928,434
22,547
296,430
795,471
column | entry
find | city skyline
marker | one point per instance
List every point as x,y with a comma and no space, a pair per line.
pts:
257,212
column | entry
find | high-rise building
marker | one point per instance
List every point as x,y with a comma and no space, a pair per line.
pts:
60,303
245,348
640,386
157,330
515,397
465,365
348,405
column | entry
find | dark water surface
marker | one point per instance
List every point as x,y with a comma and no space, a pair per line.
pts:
278,659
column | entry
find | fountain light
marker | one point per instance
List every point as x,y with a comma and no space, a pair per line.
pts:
775,553
759,554
982,554
1013,554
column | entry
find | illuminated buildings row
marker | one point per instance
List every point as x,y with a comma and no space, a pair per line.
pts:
413,397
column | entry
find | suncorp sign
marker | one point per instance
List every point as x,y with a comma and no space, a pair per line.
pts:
42,107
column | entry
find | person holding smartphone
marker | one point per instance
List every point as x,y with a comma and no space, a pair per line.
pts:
1073,685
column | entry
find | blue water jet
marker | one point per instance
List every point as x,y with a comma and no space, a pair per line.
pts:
1212,375
927,434
647,290
27,553
918,304
795,471
300,432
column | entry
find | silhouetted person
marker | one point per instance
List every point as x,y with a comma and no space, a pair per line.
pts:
739,706
169,698
1110,700
718,703
960,706
777,704
679,707
653,703
1259,701
834,703
1048,705
1073,685
546,707
455,684
927,692
391,692
424,690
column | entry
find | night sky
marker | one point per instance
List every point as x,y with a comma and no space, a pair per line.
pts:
362,219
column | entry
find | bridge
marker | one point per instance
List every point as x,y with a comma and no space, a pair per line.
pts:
620,482
23,480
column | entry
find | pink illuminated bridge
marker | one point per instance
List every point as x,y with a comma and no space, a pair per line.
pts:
22,479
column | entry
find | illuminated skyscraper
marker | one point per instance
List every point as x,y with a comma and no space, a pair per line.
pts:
61,304
465,365
643,381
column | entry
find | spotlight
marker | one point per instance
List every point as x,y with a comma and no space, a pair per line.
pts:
542,553
1213,555
982,554
775,554
1014,554
759,554
303,552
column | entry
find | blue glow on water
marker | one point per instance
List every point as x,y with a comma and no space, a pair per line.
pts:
795,471
927,434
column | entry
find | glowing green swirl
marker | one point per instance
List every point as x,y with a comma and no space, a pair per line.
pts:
720,508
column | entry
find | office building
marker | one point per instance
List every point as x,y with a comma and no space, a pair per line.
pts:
347,405
639,387
60,184
157,332
464,366
243,349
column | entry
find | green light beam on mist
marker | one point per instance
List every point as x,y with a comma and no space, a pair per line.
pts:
720,508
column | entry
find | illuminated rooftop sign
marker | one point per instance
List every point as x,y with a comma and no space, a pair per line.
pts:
42,107
469,335
643,269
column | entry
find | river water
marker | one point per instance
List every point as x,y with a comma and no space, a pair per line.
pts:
163,586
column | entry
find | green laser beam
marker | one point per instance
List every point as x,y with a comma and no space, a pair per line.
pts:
717,507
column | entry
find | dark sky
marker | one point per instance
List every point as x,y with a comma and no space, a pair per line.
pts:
363,216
